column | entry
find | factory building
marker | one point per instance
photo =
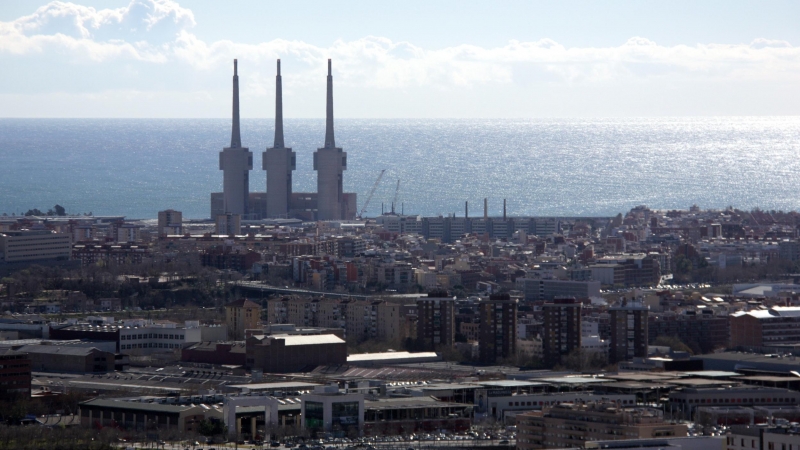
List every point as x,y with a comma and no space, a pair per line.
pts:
328,203
279,162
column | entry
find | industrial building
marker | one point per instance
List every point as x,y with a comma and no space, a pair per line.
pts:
277,354
330,202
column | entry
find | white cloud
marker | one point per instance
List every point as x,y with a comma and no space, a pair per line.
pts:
157,31
149,46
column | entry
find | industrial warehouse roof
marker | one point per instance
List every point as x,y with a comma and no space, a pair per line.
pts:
575,380
138,406
390,356
58,349
315,339
510,383
276,386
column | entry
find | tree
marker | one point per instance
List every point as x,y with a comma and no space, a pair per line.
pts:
60,211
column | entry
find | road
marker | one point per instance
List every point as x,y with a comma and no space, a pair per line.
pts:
257,286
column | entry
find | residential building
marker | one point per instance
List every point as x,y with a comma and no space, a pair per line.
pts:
436,320
498,328
537,289
562,329
241,315
572,425
766,327
629,331
170,222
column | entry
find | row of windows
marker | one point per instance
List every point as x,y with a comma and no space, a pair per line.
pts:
736,400
131,337
149,345
15,374
557,402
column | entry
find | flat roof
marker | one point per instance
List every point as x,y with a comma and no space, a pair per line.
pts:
770,378
575,380
510,383
711,374
408,402
389,356
276,386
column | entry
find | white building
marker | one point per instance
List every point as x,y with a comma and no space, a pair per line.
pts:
32,245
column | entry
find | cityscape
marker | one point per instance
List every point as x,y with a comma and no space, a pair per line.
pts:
308,320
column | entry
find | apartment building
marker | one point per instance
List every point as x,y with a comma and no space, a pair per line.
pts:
498,328
562,329
436,320
765,327
629,324
572,425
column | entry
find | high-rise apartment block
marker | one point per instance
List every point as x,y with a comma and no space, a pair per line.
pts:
436,324
629,331
498,328
562,329
170,222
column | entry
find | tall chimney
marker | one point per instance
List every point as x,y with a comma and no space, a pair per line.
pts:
236,140
504,209
485,208
466,210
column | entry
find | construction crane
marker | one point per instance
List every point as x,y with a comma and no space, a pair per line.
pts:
396,193
371,191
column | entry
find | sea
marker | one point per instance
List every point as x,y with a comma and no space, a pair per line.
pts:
542,167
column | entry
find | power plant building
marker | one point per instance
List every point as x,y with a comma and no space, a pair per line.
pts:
279,162
328,203
235,162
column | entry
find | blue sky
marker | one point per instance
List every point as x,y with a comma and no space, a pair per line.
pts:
159,58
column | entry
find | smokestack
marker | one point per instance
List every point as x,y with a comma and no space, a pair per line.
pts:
330,142
485,208
236,140
504,209
466,210
278,109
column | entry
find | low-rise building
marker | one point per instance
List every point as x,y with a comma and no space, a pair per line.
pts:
572,425
279,354
15,374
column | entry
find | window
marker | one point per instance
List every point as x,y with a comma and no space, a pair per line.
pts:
314,414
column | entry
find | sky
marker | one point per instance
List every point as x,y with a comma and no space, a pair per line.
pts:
409,59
